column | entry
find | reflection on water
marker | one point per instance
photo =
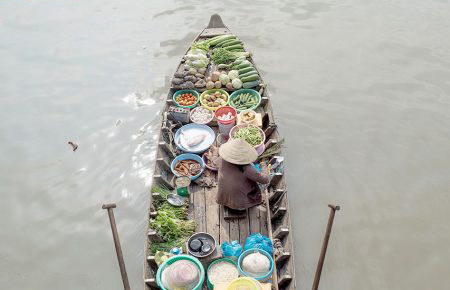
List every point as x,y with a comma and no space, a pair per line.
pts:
360,90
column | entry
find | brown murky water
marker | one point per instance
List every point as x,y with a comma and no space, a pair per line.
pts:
361,91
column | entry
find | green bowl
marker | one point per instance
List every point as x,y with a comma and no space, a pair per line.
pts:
180,92
245,91
173,259
210,92
211,285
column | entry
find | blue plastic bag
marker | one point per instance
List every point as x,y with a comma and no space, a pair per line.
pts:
260,242
233,249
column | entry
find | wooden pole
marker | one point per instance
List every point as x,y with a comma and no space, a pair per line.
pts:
109,207
333,209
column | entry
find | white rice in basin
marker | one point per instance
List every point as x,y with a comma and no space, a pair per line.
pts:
222,272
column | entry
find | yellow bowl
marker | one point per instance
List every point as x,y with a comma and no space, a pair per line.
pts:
246,283
210,92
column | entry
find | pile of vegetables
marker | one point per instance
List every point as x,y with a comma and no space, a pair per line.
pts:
250,134
246,72
193,71
222,79
172,225
216,99
244,101
187,99
227,48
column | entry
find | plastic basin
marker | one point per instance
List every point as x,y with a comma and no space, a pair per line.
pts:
188,156
246,91
235,128
210,285
178,258
264,277
177,93
244,282
210,92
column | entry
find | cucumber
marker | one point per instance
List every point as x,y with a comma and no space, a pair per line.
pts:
221,44
234,46
222,66
246,70
237,99
251,78
248,73
244,64
231,42
221,40
252,84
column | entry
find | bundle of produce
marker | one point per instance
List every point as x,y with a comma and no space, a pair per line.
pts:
245,72
272,150
188,168
222,79
222,55
193,71
172,225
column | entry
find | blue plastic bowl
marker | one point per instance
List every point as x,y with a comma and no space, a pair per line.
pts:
188,156
263,278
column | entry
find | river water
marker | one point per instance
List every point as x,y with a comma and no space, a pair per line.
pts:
360,90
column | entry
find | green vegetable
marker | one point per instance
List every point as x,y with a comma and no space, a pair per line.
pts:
221,55
246,70
234,46
251,78
250,134
220,39
162,190
244,64
230,43
247,74
252,84
237,83
203,45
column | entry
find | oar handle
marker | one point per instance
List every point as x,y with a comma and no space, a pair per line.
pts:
333,209
109,207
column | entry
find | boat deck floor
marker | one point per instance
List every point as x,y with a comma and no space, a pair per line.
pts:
209,216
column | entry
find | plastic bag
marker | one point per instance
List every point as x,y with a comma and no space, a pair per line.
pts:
233,249
258,241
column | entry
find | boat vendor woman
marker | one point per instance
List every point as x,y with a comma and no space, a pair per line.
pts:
238,188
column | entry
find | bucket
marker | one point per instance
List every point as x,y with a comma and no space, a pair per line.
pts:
225,126
244,283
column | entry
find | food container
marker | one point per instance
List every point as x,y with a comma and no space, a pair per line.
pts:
206,239
188,156
182,183
245,121
210,92
226,125
246,91
172,260
191,130
244,283
208,119
262,278
180,92
205,159
235,128
210,285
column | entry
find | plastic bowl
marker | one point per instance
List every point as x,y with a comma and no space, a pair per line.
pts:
210,92
235,128
264,277
205,159
188,156
208,120
211,285
244,282
246,91
172,260
211,136
177,93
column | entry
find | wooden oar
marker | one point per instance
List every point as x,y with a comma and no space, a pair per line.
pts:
123,271
333,209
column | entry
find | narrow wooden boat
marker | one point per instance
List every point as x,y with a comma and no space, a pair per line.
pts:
271,218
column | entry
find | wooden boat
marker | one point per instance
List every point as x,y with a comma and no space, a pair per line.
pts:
272,218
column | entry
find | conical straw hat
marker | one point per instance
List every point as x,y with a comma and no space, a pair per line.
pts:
238,152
